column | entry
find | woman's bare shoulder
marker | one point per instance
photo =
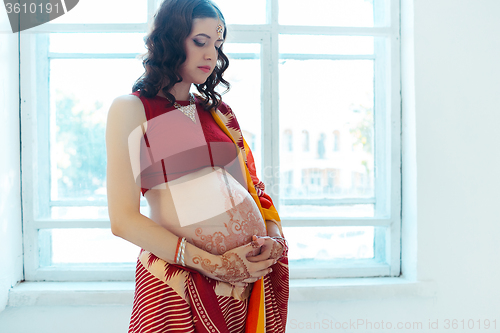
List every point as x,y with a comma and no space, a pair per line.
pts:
126,111
127,105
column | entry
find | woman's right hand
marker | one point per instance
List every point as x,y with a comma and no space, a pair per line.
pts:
233,266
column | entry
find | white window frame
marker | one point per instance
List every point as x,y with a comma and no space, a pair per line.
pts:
35,108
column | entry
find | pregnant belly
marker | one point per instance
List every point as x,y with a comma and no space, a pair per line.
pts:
209,207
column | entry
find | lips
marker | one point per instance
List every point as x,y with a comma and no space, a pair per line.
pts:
206,69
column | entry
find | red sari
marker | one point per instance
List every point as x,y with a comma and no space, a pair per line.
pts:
172,298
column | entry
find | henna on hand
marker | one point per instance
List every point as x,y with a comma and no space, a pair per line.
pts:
276,251
232,269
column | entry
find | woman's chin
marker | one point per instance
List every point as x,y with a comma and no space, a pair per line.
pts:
201,81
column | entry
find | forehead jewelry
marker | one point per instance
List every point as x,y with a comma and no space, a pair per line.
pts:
220,28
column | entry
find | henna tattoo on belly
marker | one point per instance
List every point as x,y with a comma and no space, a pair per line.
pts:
232,269
243,223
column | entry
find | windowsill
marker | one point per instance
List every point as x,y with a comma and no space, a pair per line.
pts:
350,289
122,293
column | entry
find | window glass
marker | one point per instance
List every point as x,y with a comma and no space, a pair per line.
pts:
305,140
321,44
251,48
84,246
320,244
109,11
81,92
243,12
97,43
338,96
344,13
87,212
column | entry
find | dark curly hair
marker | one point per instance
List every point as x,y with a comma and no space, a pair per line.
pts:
165,44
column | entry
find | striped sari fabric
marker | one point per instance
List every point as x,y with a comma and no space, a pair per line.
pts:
169,298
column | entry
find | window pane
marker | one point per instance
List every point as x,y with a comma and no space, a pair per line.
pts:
318,244
335,107
97,43
244,98
109,11
84,246
345,13
87,212
243,12
234,50
83,212
319,44
81,91
298,208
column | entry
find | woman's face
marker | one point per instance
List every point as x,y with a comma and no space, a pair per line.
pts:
201,51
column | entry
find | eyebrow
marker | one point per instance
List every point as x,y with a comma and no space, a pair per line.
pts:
205,35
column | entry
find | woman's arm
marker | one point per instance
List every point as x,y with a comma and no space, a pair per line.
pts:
125,115
272,229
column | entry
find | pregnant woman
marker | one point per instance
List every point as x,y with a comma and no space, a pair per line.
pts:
213,256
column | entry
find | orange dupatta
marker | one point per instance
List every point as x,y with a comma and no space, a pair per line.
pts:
257,319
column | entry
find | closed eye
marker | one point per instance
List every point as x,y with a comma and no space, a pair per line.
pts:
198,43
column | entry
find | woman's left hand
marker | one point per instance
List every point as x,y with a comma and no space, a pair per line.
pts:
271,249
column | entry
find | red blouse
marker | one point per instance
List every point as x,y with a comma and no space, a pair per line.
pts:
174,146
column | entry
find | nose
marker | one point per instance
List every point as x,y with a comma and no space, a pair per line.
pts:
210,55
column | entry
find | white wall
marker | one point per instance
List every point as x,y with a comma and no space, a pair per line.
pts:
451,101
11,265
457,103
